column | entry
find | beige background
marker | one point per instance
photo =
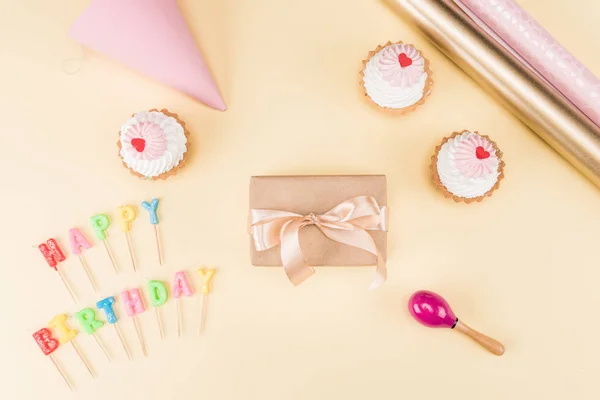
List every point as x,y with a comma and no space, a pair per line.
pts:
521,266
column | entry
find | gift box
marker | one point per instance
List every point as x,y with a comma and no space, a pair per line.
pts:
303,221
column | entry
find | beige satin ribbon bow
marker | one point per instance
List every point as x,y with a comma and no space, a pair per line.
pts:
346,223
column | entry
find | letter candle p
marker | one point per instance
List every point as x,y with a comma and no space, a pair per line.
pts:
127,215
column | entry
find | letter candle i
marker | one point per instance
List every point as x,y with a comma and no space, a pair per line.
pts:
67,335
127,215
151,208
78,242
206,274
158,297
132,300
89,324
48,345
54,255
100,223
106,305
181,285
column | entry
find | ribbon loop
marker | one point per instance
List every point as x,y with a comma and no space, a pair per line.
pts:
346,223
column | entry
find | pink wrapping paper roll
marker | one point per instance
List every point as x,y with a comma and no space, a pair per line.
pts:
541,51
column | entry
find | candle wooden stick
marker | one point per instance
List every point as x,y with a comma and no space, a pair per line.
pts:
118,330
159,322
100,223
151,208
181,286
88,273
178,317
139,336
67,285
82,357
431,310
48,345
206,274
127,214
158,245
102,347
62,373
131,253
110,255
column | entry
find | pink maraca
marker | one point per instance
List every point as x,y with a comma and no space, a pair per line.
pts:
430,309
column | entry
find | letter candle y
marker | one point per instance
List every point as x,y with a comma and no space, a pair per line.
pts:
206,274
151,208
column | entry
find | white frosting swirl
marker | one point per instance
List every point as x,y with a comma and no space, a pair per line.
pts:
399,87
169,158
457,176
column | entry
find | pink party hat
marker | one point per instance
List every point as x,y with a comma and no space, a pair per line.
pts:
150,36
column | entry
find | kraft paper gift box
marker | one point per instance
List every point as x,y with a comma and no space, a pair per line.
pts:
316,195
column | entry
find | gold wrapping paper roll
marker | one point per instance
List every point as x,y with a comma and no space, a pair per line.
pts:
541,107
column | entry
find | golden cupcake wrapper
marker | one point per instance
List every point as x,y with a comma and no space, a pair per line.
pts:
405,110
172,171
436,178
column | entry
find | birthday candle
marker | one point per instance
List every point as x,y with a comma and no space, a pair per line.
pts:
157,291
89,324
100,223
151,208
54,255
181,285
67,335
79,242
127,215
206,274
48,345
132,301
106,305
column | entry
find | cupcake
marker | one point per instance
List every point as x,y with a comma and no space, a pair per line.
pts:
467,166
153,144
396,77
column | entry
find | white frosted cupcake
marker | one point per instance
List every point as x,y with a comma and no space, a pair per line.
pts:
467,166
396,77
153,144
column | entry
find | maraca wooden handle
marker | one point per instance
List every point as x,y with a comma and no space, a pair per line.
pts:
491,345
